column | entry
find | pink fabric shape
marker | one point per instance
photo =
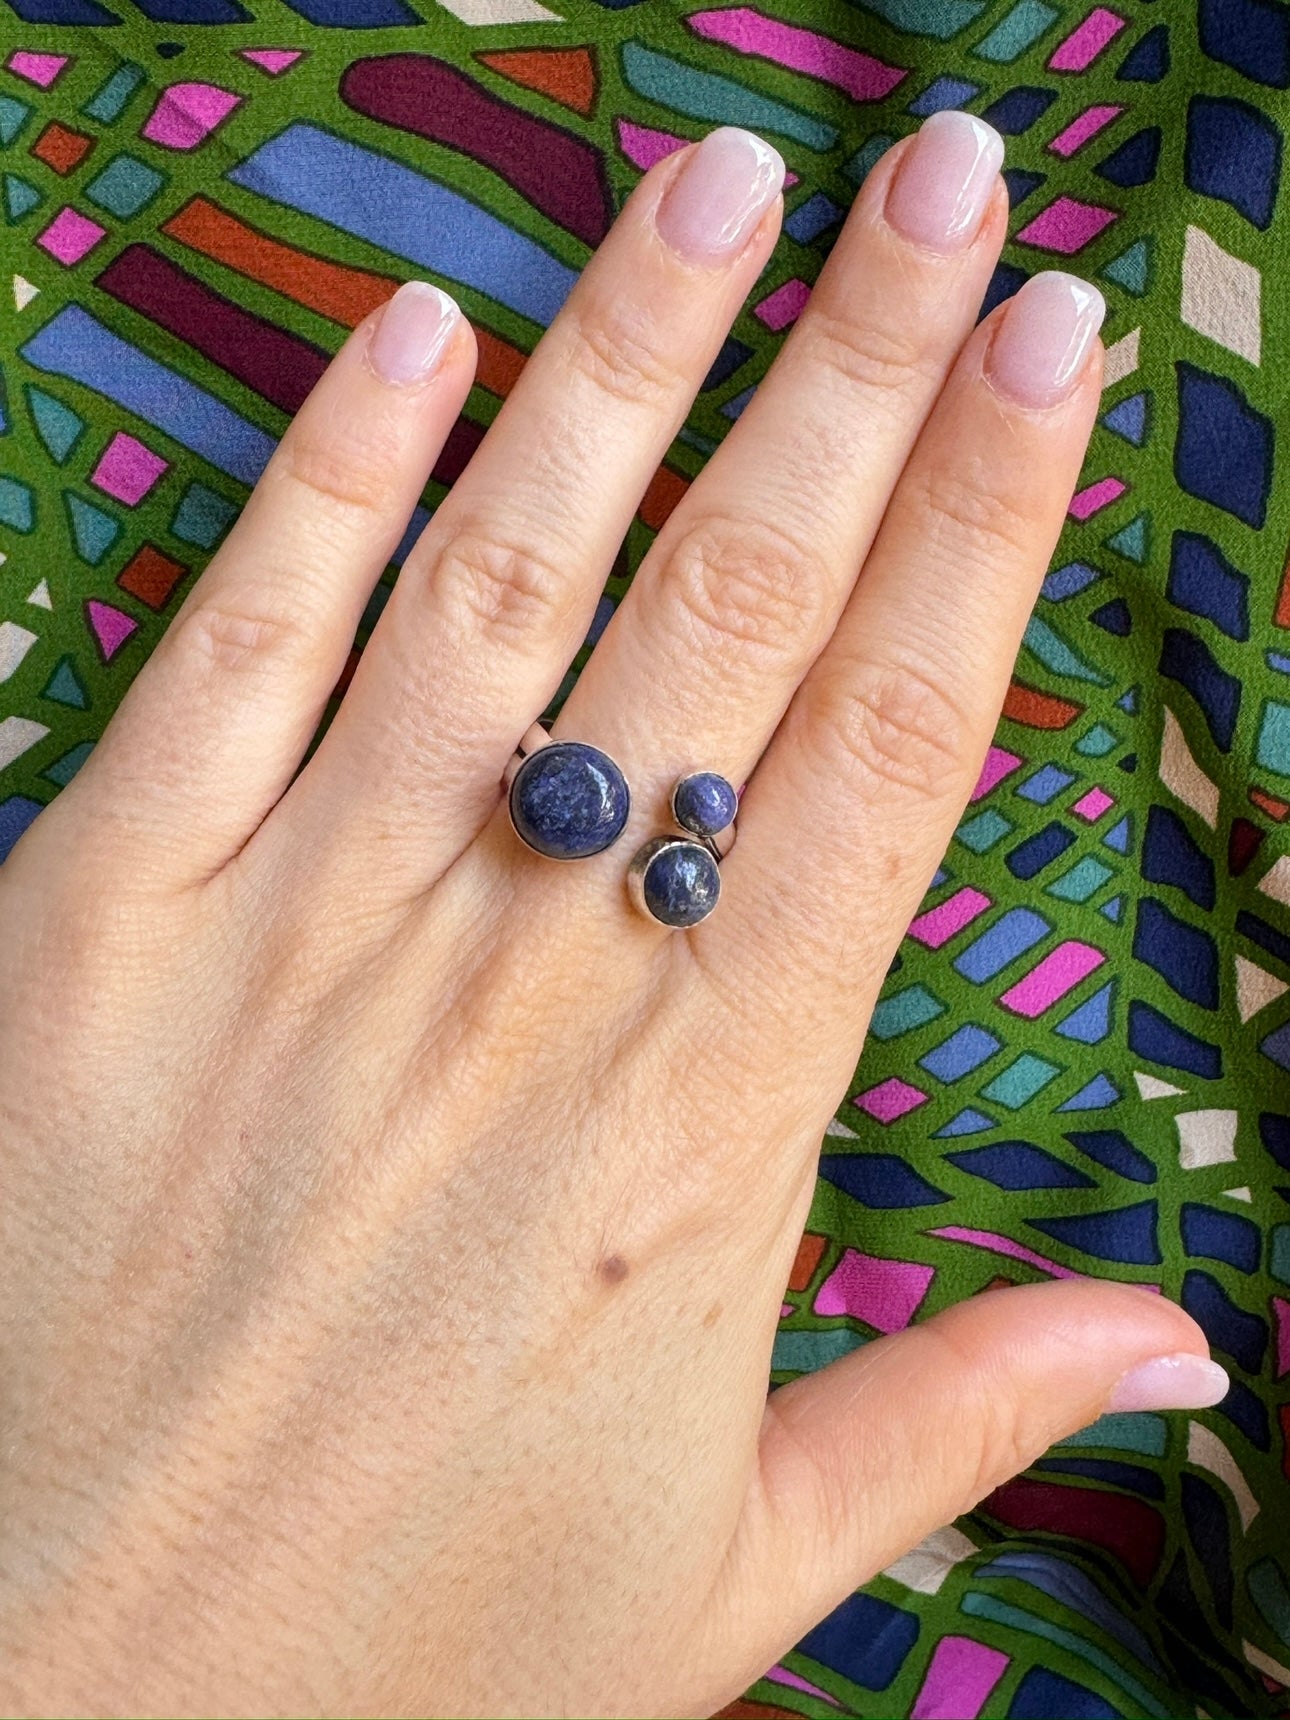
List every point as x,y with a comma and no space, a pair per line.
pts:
127,469
274,61
1059,972
1093,804
1281,1308
1085,126
643,146
1005,1245
1086,41
885,1294
112,627
959,1680
890,1099
782,307
938,925
1067,225
70,235
37,68
186,114
1093,497
781,1675
751,32
998,764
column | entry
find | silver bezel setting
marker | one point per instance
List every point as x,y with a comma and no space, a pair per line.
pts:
642,860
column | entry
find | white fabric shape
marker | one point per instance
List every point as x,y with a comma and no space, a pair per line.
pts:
17,734
926,1567
1207,1451
1221,295
15,642
1152,1087
1255,988
40,596
1182,776
500,12
1121,358
1206,1138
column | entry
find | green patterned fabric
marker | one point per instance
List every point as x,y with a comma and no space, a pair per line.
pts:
1081,1060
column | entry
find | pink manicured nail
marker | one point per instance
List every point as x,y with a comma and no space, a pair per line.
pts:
944,183
1043,338
413,333
721,193
1184,1381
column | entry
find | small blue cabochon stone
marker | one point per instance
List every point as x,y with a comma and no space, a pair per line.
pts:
704,803
682,885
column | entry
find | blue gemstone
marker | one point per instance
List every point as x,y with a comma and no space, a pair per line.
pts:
704,803
569,800
682,884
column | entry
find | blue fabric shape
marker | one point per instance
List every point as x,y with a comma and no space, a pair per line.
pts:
1251,36
1108,1147
968,1122
1065,1582
354,14
1039,850
196,11
880,1181
1206,1520
1126,1236
63,12
1018,1165
812,218
1189,661
1248,1413
1128,418
1135,161
865,1639
1277,1046
963,1051
1182,954
945,92
1170,855
1203,581
1147,61
1099,1094
1238,1334
16,814
1018,931
1233,153
1017,110
733,354
1223,451
1220,1236
1044,1695
1046,784
1091,1022
1068,581
1111,1471
1160,1040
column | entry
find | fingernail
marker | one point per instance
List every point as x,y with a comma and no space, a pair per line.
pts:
1043,338
412,334
1185,1381
721,193
943,186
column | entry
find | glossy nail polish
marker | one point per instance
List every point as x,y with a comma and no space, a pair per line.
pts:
1044,338
943,185
1184,1381
723,189
413,333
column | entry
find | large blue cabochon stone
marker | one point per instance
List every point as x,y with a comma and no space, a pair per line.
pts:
569,800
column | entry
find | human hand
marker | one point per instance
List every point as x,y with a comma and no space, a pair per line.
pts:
394,1223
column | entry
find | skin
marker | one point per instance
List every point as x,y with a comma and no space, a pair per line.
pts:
395,1224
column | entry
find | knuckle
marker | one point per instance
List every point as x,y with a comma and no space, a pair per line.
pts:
880,358
899,727
504,587
240,639
616,348
746,590
965,509
336,476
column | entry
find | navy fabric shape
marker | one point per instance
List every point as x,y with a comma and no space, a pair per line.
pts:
16,814
1206,1521
1004,282
1039,850
733,353
1020,184
63,12
879,1180
1147,61
1247,1412
1154,1036
1114,617
1135,161
865,1639
1220,1236
1131,1476
1265,936
1110,1148
1182,954
1189,661
194,11
1223,452
1274,1132
1017,1165
355,14
1127,1237
1242,1336
1044,1695
1234,153
1252,36
1170,855
1202,580
1017,110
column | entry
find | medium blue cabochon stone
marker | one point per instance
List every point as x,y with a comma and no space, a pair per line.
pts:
682,885
569,800
704,803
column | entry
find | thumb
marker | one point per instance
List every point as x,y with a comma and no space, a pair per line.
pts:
859,1462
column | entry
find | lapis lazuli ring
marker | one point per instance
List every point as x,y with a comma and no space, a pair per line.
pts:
567,800
676,880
